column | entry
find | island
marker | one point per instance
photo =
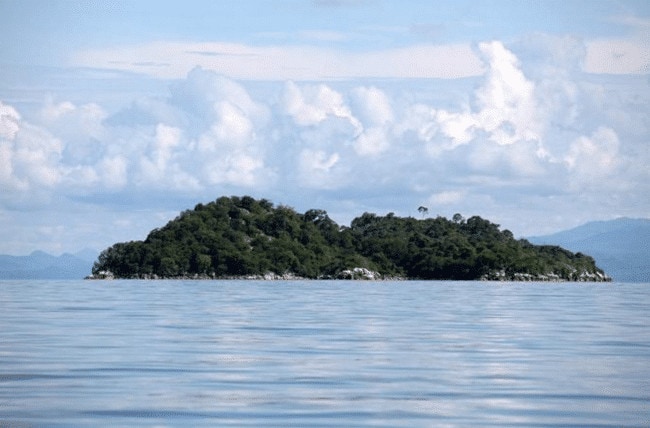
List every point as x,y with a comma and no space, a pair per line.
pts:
242,237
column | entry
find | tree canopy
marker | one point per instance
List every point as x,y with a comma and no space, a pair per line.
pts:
241,236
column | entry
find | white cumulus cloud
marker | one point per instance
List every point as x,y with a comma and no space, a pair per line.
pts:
372,106
518,133
448,197
30,155
595,157
505,105
315,169
113,172
312,104
372,142
9,119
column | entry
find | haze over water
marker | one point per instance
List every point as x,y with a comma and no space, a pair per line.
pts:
246,353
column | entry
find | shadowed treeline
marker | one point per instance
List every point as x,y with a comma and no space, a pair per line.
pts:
241,236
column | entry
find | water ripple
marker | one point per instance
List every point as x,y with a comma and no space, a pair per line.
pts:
217,353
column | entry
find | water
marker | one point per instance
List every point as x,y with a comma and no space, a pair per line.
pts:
246,353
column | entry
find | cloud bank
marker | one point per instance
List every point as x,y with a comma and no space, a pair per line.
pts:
526,140
305,61
173,60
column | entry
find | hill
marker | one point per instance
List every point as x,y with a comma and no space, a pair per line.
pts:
40,265
621,247
243,237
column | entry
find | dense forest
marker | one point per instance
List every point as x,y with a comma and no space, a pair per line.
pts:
241,237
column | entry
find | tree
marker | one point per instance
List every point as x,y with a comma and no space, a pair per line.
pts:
241,236
423,210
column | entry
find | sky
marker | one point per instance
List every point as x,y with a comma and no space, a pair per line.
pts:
117,115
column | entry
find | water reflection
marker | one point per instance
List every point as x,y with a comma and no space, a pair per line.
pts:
323,353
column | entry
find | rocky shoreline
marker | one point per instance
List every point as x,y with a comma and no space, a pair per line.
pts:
574,276
363,274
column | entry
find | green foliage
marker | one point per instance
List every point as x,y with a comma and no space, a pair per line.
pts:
236,236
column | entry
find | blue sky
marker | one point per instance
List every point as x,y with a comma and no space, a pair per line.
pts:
115,116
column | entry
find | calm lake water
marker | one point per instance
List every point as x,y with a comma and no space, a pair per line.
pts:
248,353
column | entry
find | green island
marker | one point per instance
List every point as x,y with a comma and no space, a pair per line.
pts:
241,237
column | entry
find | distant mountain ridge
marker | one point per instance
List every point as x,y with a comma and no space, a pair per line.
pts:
41,265
621,247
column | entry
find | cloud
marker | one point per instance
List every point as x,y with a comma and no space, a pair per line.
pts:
505,105
238,168
154,165
319,160
173,60
507,100
448,197
29,155
315,169
368,126
79,128
211,131
232,125
372,106
622,55
9,119
372,142
375,113
312,104
618,56
517,131
203,97
505,111
533,132
205,135
420,120
594,158
113,172
323,36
